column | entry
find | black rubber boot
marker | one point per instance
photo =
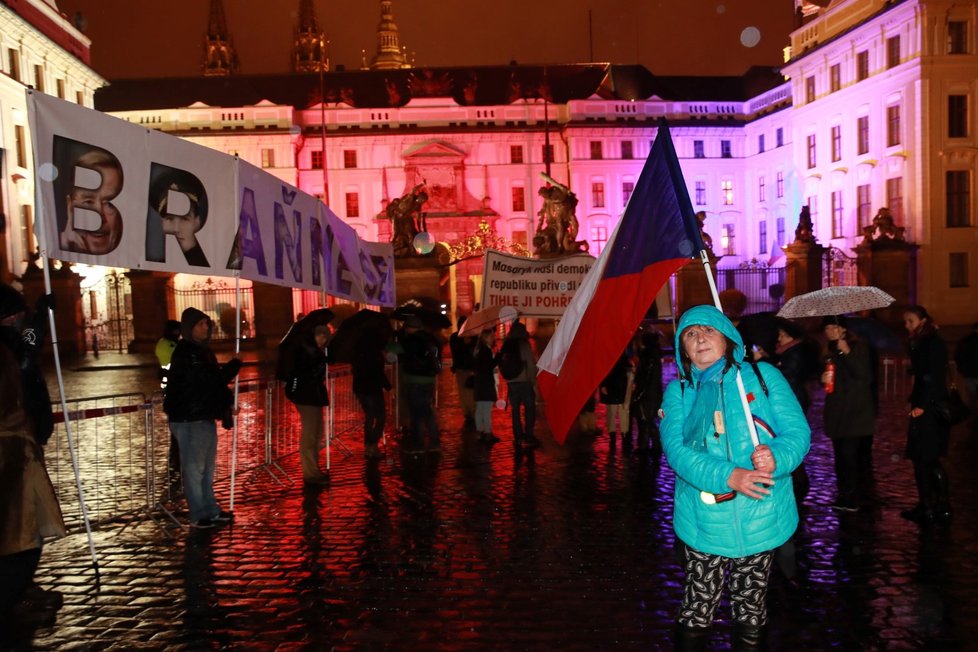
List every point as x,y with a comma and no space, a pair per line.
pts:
748,638
690,639
942,503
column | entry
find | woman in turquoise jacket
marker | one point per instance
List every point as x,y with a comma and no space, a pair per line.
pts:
734,503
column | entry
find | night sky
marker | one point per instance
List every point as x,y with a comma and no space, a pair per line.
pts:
138,38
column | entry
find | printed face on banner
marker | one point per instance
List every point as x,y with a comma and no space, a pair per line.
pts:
90,178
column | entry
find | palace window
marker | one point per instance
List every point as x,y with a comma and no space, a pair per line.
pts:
596,151
864,206
958,194
725,151
836,143
599,238
810,89
626,149
760,143
519,199
762,237
862,65
893,125
761,189
779,185
811,151
837,217
958,270
862,134
267,157
515,153
698,150
352,204
701,193
893,51
894,198
597,194
835,78
957,37
317,159
726,192
627,188
779,137
957,116
349,158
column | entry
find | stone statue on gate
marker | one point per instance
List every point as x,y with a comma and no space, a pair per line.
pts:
883,228
557,227
707,240
804,233
407,220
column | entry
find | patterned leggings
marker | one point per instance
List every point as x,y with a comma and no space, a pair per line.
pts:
705,575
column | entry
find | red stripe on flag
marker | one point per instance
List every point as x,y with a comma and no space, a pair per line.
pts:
608,324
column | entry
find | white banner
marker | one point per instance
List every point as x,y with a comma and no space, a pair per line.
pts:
113,193
536,288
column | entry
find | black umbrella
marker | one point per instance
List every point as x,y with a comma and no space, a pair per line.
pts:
366,327
299,332
425,309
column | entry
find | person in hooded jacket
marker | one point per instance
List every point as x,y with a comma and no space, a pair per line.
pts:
307,391
197,394
733,503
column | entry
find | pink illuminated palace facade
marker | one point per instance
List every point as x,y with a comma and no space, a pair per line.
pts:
874,106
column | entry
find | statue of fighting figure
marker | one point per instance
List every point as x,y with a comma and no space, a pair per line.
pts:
407,220
557,227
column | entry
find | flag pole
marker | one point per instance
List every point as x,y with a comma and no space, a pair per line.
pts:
741,390
41,234
237,345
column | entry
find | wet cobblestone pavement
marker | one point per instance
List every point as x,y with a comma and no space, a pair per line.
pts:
570,548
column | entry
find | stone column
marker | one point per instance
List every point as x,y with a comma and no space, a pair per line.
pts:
150,308
803,268
803,259
891,266
884,259
273,314
68,317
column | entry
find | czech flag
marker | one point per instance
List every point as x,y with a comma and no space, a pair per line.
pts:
657,235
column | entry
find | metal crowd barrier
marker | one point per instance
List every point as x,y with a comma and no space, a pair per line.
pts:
123,445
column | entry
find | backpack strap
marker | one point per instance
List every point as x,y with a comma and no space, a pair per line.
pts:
760,376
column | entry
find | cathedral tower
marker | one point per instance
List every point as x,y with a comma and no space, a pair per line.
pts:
309,52
389,55
220,59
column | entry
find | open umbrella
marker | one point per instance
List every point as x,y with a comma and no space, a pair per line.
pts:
424,309
488,318
298,332
365,326
835,301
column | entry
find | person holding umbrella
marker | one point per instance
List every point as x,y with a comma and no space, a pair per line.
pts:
306,388
850,415
734,503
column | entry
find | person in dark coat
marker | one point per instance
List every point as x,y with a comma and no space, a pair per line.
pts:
484,385
196,396
307,391
522,388
647,394
24,335
849,413
929,430
612,392
369,384
463,366
797,358
966,359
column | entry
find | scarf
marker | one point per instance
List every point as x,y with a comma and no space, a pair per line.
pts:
699,423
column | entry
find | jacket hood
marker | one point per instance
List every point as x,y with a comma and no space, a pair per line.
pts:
189,319
709,316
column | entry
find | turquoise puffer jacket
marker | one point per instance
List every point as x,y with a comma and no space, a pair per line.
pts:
742,526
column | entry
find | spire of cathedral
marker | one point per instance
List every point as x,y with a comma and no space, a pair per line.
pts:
309,51
220,59
389,54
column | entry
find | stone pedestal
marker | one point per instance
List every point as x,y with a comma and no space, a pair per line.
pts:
422,276
803,268
273,314
692,286
150,309
68,317
891,266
